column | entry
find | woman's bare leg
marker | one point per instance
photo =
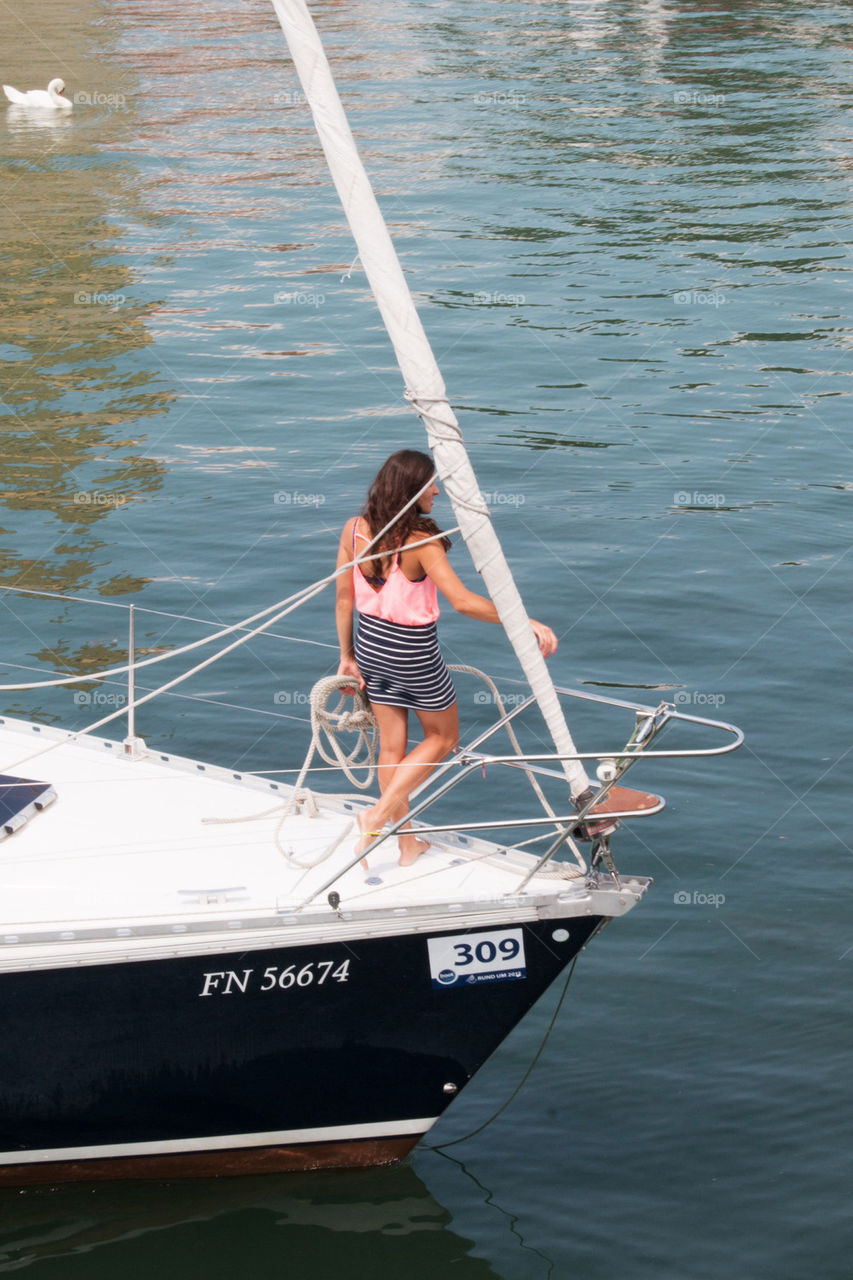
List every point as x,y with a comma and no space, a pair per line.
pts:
393,742
393,724
441,736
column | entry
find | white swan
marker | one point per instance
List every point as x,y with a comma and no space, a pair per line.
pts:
51,97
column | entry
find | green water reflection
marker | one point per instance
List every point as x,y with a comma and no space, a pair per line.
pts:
75,395
367,1223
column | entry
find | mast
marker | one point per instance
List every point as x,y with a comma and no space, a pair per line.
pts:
424,384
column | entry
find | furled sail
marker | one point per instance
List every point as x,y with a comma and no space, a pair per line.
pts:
424,384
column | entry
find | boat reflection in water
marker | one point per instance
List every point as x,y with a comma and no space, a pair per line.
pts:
312,1222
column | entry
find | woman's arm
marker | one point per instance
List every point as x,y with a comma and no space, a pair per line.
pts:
435,564
345,608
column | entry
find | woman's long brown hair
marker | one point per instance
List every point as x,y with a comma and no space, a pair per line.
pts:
398,480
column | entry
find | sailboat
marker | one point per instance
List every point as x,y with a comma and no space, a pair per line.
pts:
197,976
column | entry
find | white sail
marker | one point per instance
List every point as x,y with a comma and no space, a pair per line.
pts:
424,384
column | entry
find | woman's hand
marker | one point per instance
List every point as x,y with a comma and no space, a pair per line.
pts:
545,636
349,667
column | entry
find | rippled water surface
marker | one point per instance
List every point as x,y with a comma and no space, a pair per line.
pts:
627,228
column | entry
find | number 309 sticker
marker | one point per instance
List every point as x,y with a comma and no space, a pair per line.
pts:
469,958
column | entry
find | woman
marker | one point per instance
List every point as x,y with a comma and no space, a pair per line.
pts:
395,656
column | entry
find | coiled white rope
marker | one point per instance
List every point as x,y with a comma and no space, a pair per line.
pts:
326,724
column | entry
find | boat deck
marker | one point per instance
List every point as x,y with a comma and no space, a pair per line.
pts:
161,843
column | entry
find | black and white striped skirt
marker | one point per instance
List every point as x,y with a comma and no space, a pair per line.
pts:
402,666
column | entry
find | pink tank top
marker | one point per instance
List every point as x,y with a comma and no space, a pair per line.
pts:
411,604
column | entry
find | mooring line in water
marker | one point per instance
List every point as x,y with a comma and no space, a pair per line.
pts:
440,1146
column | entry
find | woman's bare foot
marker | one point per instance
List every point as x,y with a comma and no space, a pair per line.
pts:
411,849
366,833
